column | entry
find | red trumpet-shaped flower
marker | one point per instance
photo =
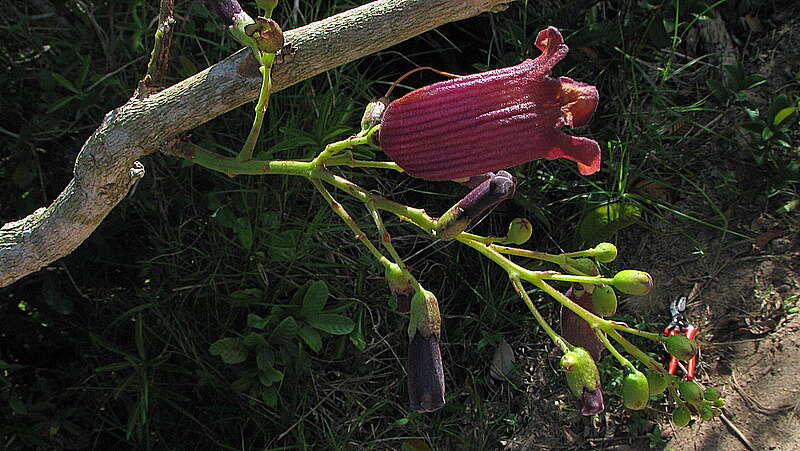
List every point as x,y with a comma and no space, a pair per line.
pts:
492,120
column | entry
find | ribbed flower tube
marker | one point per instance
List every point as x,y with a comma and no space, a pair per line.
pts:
492,120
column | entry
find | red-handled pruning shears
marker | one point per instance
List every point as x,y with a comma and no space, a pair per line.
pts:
679,325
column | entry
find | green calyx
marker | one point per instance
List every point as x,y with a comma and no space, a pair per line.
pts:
424,316
267,34
635,390
631,281
605,252
657,382
681,416
398,280
580,266
604,300
580,370
519,231
681,347
690,392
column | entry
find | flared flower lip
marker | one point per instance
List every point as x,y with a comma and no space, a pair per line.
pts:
493,120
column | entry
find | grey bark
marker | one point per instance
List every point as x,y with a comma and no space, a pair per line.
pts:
106,166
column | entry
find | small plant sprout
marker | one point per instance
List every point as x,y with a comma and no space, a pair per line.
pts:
471,128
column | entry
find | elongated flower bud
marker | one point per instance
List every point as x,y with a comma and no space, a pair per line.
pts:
497,188
574,329
583,380
425,370
493,120
631,281
227,10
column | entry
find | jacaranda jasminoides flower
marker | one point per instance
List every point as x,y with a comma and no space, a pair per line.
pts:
493,120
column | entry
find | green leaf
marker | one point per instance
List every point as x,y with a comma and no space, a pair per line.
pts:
68,85
283,245
271,374
231,350
781,115
315,299
601,223
270,396
265,358
244,231
332,323
255,321
311,337
61,104
284,332
255,340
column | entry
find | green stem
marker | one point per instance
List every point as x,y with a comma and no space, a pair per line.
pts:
348,160
557,339
635,351
260,109
334,148
602,337
386,239
641,333
340,210
557,259
232,166
594,280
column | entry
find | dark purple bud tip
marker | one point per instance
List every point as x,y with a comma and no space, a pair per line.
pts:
425,373
591,401
227,10
495,189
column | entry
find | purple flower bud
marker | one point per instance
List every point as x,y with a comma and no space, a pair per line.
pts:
575,330
425,373
493,120
591,401
227,10
497,188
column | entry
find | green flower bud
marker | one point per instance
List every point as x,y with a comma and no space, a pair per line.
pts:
583,380
630,281
605,252
400,286
657,382
581,267
707,413
690,391
711,394
635,390
681,416
604,300
519,231
719,403
681,347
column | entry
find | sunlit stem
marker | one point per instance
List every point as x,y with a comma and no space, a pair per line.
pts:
386,239
348,160
340,210
557,339
631,349
334,148
261,107
557,259
641,333
602,337
594,280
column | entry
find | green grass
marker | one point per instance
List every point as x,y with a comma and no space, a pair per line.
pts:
114,341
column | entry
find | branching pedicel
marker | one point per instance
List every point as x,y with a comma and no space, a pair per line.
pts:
462,129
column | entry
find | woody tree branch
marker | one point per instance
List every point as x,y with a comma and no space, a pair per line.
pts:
106,166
